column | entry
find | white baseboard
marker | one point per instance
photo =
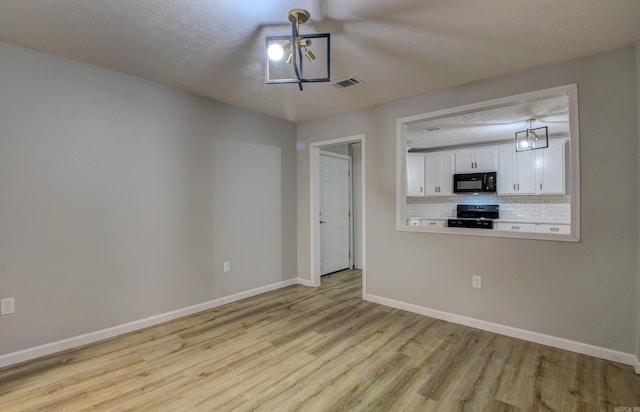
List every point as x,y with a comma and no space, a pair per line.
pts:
637,365
307,282
556,342
73,342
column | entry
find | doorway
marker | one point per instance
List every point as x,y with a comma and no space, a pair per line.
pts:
357,227
335,212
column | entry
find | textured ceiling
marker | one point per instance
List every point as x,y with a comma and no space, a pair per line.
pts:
491,125
400,48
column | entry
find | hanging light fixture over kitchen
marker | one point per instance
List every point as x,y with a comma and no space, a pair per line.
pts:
531,138
292,69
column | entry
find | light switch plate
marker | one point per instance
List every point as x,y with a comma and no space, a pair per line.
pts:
476,281
7,306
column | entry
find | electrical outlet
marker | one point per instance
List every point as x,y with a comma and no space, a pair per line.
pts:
476,281
227,266
7,306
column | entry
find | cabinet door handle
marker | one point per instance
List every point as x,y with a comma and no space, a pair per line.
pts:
554,229
514,187
540,186
420,189
515,227
432,223
518,186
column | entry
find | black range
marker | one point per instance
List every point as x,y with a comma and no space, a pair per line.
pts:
475,216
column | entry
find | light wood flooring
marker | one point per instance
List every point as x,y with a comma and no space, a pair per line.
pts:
322,349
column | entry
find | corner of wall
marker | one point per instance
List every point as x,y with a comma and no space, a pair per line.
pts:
637,343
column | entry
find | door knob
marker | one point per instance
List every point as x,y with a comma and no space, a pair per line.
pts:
322,221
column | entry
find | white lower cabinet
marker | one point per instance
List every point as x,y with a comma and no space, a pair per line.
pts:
516,227
434,223
414,221
555,229
534,228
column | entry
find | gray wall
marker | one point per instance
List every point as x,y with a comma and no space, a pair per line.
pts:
580,291
120,198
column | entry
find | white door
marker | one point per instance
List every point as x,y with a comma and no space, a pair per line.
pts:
334,213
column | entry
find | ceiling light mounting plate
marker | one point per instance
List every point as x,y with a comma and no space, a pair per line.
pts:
299,15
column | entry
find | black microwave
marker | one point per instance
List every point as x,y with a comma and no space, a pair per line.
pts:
474,182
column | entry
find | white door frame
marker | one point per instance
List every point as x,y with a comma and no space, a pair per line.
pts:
314,166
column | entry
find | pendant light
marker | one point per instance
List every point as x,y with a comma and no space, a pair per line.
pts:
297,48
531,139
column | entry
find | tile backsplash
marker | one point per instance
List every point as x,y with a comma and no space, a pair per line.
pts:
536,208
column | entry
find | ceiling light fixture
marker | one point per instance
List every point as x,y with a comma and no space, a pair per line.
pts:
292,69
531,138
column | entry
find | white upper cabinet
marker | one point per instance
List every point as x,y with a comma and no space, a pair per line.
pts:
516,171
438,167
430,174
533,172
476,160
539,171
550,168
415,174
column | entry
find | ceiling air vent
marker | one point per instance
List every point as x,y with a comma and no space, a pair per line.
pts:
347,83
